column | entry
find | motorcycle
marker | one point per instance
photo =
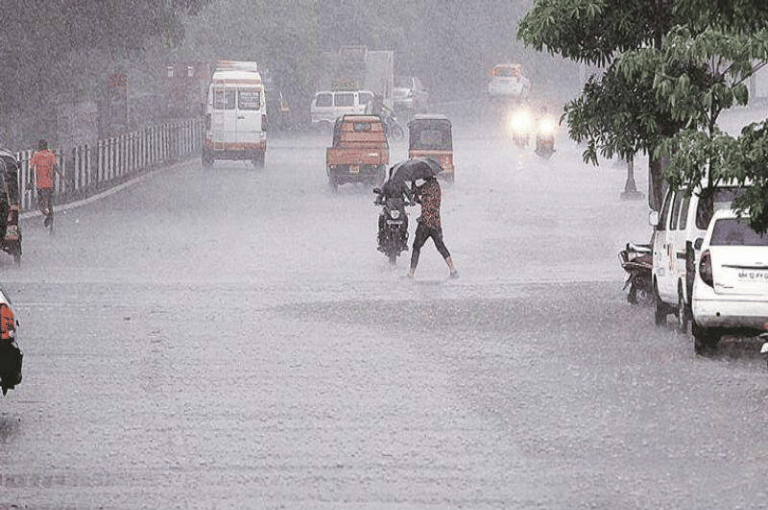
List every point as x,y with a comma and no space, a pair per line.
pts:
392,237
394,129
545,137
519,125
637,261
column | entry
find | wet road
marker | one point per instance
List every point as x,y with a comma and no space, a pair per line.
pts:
232,339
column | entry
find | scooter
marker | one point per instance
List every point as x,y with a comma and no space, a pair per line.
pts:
545,137
392,237
637,261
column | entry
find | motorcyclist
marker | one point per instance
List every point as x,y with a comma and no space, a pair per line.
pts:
395,190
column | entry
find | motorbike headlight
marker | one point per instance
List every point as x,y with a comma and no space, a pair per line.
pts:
520,122
547,126
394,214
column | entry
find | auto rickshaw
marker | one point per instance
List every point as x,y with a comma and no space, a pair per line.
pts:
10,205
430,135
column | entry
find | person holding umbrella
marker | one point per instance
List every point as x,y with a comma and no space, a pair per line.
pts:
429,225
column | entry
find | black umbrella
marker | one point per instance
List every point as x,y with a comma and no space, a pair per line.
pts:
414,169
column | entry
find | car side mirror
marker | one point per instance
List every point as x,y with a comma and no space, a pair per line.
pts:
653,219
697,243
377,191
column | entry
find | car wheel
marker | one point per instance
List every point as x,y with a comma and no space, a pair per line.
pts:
207,159
660,310
682,313
704,339
333,184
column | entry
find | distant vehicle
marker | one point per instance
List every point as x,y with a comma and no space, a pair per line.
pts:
360,151
546,128
236,115
520,125
683,219
327,106
10,205
730,289
508,81
409,96
431,136
356,68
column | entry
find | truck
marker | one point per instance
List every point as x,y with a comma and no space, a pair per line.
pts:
236,114
354,68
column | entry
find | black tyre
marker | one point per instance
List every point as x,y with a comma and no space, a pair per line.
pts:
660,308
632,295
704,339
333,184
207,159
392,258
683,315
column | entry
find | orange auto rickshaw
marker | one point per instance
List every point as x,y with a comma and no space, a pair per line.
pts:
431,135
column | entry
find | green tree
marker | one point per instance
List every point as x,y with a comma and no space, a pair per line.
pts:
672,67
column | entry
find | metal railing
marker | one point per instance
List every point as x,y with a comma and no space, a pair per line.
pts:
87,170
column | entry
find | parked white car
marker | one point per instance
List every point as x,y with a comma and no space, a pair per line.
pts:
730,289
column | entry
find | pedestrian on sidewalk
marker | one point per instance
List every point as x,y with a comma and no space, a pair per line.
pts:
44,163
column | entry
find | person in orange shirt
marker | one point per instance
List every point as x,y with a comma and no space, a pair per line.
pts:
44,163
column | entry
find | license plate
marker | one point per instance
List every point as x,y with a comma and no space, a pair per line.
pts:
354,169
753,276
394,222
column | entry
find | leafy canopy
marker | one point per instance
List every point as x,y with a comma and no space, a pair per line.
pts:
672,67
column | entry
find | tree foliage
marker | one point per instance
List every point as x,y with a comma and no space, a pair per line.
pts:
668,79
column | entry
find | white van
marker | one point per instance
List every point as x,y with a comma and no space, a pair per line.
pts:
236,114
681,222
328,105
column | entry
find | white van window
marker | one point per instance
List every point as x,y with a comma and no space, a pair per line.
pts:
324,100
249,99
676,210
663,219
344,99
223,99
684,213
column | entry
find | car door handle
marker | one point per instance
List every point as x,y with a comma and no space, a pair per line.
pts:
240,117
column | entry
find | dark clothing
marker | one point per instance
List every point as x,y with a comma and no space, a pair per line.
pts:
428,195
423,233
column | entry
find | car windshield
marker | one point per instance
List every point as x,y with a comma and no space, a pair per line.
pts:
736,232
344,99
431,137
324,100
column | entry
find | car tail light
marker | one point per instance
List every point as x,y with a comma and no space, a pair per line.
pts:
7,322
264,122
705,268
